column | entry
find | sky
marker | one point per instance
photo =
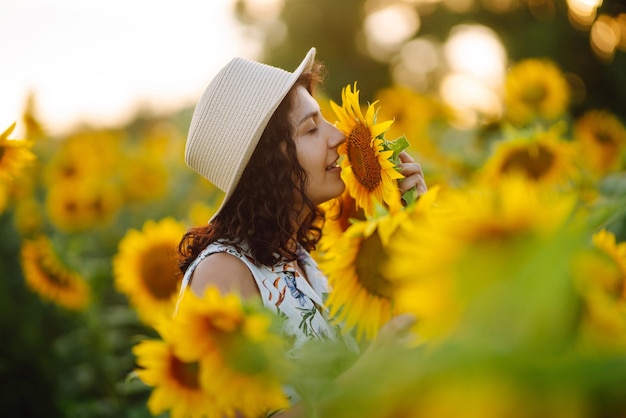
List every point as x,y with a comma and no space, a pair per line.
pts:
97,61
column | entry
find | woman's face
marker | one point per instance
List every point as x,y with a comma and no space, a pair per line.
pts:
316,147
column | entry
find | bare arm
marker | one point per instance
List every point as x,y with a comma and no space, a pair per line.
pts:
225,272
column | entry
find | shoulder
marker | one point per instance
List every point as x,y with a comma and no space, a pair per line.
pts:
227,273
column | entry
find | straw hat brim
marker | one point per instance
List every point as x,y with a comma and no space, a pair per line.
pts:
230,118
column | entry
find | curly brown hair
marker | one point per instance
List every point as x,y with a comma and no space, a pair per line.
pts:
267,199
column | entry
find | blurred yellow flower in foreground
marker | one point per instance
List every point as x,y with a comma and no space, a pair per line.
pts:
145,268
220,357
340,212
238,348
363,296
601,141
475,239
535,89
50,278
487,395
176,383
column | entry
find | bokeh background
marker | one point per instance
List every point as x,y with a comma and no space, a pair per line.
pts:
103,92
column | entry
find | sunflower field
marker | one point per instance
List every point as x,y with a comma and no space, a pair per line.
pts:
513,262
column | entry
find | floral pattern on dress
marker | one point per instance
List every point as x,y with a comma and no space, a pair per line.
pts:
296,298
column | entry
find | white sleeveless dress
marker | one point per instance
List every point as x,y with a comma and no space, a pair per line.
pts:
284,290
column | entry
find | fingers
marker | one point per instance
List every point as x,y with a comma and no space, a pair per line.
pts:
405,157
413,174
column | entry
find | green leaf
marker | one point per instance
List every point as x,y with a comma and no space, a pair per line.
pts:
410,196
397,146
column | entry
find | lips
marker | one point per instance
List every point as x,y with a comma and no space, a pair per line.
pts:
335,164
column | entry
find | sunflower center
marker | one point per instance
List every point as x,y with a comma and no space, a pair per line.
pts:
69,172
185,373
363,158
535,163
54,275
604,138
2,151
492,234
158,271
535,94
71,207
368,263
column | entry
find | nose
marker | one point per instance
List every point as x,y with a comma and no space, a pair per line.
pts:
336,137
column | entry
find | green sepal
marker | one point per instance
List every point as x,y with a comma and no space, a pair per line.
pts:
410,196
397,146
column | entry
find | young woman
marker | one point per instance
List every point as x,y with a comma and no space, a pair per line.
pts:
257,133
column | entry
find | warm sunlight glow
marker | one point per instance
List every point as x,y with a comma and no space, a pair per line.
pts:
268,10
418,59
582,13
97,61
471,100
605,37
476,51
477,61
387,28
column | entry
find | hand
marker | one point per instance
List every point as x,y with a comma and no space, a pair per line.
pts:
413,175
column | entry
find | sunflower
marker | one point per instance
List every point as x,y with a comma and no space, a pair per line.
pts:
82,205
144,178
601,140
69,166
239,348
600,275
4,197
48,277
473,240
86,156
363,295
34,128
28,216
145,267
161,140
369,174
340,213
176,383
15,155
200,213
543,158
535,88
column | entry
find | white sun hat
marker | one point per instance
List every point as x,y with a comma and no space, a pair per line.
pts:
231,115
